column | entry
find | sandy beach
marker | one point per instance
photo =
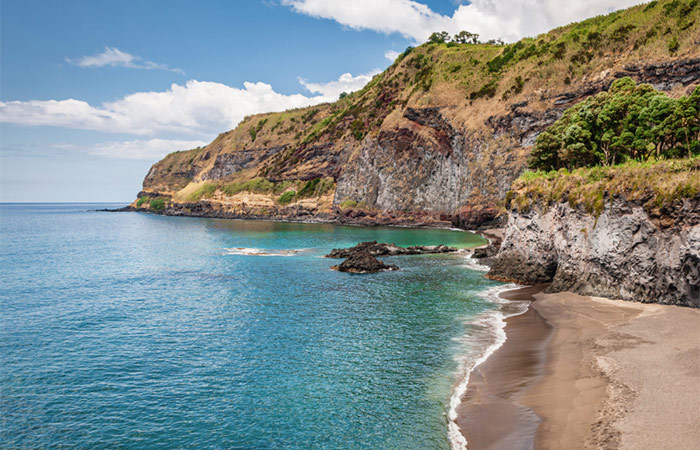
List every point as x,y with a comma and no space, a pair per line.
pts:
588,373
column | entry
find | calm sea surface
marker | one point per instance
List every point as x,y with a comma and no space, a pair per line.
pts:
130,330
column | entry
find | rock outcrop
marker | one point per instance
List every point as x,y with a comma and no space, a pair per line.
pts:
363,261
383,249
625,253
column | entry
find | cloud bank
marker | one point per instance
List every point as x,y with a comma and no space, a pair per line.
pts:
492,19
145,149
198,109
114,57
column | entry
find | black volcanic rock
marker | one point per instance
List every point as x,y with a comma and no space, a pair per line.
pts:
383,249
362,261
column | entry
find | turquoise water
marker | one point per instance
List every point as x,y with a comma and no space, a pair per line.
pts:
129,330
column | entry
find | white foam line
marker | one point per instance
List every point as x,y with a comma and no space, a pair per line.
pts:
495,319
472,263
261,252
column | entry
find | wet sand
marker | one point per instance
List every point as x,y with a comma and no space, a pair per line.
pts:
584,373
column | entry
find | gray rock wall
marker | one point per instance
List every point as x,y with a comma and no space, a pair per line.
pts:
624,254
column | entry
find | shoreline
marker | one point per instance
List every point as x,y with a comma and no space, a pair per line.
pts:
331,219
574,372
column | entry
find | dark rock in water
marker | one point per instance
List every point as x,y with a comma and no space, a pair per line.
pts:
362,261
383,249
484,252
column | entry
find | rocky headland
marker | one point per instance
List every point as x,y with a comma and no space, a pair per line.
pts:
437,139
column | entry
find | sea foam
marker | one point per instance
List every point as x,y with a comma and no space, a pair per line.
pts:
261,251
486,335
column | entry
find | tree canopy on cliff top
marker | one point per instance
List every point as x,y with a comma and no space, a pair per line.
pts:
630,121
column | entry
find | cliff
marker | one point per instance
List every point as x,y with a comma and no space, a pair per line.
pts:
437,138
635,236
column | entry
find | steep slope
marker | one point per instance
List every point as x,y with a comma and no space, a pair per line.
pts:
437,138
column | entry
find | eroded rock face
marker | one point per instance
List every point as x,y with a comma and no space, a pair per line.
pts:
363,261
426,164
624,254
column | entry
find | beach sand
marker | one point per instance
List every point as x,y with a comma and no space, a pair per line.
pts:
584,373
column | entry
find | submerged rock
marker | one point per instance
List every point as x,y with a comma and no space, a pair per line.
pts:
362,261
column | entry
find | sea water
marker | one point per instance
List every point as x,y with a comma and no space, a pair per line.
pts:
132,330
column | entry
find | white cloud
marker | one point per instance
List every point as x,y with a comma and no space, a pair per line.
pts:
391,55
346,83
199,108
492,19
151,149
114,57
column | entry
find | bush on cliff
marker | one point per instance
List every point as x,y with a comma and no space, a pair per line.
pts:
157,204
287,197
631,121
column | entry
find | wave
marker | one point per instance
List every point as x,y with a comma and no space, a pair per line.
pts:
474,264
486,335
262,252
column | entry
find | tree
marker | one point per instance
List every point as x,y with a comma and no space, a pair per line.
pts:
439,37
465,37
343,95
629,121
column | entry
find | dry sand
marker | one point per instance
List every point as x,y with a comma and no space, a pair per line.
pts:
589,373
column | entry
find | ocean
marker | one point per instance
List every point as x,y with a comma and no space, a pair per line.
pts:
132,330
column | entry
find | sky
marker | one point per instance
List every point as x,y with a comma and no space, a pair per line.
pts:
93,93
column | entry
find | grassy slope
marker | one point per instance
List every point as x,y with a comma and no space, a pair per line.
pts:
469,82
654,184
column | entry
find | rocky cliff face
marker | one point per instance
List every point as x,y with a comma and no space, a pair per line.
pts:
437,138
624,253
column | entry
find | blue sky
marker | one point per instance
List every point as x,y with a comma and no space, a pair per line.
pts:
93,93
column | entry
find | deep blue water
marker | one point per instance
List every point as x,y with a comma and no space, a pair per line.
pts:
130,330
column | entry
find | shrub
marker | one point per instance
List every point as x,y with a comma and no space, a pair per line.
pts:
497,63
487,90
308,189
560,50
157,204
142,200
673,45
358,129
349,203
287,197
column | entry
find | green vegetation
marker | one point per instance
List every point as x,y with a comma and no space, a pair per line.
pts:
653,183
316,187
206,190
287,197
673,45
629,122
253,131
142,200
157,204
487,90
349,203
358,129
256,185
